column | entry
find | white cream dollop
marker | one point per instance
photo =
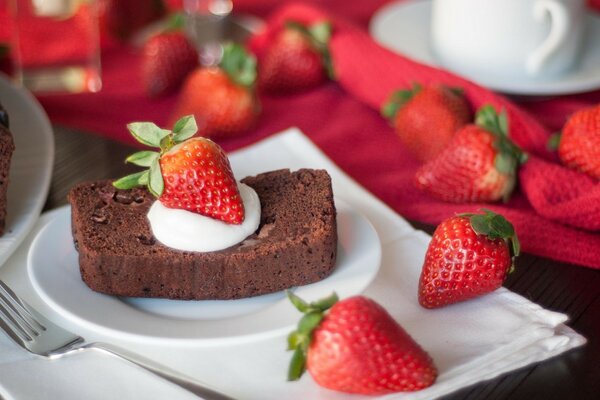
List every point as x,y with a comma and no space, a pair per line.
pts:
189,231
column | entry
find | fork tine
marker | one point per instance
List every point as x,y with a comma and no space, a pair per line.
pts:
21,309
18,314
11,326
31,329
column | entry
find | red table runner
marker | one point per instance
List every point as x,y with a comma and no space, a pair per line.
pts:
342,119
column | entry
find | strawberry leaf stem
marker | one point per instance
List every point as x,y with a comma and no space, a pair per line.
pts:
133,180
238,64
509,156
156,183
142,158
495,226
318,34
184,128
554,141
397,100
299,340
300,304
297,365
149,134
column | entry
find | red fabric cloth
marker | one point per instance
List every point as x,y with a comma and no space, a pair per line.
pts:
360,65
342,118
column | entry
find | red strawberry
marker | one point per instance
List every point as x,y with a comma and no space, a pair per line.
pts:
168,59
221,98
579,146
426,118
296,59
479,164
188,173
357,347
469,255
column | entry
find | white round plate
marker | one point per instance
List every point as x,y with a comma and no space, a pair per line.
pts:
404,27
31,165
54,272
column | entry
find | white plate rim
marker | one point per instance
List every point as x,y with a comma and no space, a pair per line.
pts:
58,306
27,117
564,85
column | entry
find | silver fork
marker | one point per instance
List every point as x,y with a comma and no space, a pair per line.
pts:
38,335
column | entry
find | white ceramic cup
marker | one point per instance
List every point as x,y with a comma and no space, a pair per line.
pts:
520,39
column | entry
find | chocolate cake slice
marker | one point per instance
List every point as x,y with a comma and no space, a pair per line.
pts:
7,147
294,245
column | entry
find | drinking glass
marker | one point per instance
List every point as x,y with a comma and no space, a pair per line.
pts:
56,45
206,23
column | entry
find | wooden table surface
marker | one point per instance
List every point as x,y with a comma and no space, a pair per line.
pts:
554,285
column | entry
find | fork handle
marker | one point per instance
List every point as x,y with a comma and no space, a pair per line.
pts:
174,377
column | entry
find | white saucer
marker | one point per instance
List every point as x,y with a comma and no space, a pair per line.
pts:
54,272
404,27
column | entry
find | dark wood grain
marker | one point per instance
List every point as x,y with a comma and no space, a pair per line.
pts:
557,286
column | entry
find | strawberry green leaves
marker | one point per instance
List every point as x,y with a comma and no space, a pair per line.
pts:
238,64
147,133
156,184
133,180
142,158
150,134
509,155
184,128
398,99
495,226
554,141
319,35
299,340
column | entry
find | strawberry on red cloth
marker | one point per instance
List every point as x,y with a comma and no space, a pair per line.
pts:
360,63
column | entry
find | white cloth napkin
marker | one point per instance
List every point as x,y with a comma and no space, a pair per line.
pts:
469,342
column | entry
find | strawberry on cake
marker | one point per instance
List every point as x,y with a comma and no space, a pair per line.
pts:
186,229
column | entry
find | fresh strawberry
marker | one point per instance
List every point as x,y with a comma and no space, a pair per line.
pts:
168,59
479,164
222,98
357,347
579,146
426,118
296,59
469,255
189,173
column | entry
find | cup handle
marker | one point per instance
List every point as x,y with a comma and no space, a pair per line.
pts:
559,30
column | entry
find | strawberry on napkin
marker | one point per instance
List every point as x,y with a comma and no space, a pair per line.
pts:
540,212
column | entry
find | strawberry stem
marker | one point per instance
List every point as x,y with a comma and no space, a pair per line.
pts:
238,64
151,135
509,155
299,340
495,226
318,34
554,141
398,99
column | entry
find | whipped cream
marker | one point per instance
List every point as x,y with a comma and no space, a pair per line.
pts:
189,231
